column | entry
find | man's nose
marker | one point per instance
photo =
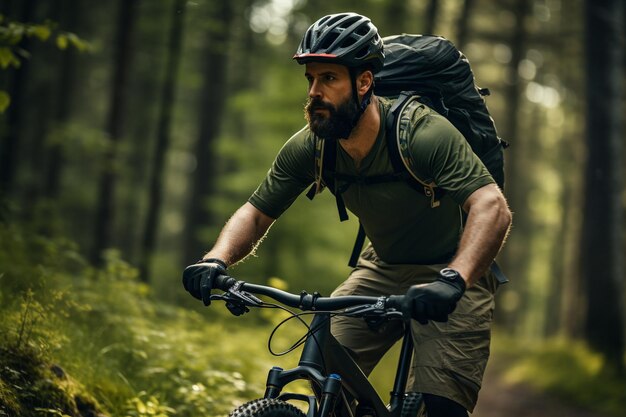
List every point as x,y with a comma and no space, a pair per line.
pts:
314,90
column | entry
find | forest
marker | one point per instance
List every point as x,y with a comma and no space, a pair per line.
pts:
131,130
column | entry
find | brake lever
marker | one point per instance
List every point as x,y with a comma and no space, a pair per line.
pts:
246,297
357,311
378,308
237,301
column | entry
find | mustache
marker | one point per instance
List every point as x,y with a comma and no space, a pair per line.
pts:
318,104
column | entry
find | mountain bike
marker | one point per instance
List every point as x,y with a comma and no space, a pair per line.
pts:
339,387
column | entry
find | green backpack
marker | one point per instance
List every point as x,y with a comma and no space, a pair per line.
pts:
419,70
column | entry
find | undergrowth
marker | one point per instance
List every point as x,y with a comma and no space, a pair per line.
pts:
79,341
95,342
567,369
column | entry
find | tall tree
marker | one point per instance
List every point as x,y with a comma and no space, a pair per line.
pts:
66,88
603,225
11,137
566,316
395,18
515,258
210,111
432,14
463,23
163,136
115,127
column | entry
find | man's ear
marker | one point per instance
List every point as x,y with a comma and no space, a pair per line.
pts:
365,81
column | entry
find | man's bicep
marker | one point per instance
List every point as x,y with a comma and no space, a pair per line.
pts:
486,196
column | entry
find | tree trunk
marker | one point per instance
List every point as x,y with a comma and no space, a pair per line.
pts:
463,24
569,40
432,13
515,256
163,137
395,19
212,102
64,102
115,126
603,226
11,139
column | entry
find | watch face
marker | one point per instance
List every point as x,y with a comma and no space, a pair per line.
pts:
449,273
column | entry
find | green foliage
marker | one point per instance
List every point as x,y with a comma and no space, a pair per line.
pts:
13,33
5,100
32,386
567,369
147,406
12,54
78,338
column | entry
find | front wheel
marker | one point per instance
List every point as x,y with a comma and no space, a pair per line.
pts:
266,407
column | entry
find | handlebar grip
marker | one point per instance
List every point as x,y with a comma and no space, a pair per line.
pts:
224,282
397,301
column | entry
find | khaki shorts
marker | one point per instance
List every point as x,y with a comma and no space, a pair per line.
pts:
449,358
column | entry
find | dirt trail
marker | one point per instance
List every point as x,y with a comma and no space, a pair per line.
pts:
501,399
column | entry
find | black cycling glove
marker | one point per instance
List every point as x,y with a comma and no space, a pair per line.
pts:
436,300
198,278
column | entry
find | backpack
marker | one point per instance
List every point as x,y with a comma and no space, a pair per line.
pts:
419,70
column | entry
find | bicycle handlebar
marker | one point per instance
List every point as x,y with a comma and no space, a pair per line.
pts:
309,302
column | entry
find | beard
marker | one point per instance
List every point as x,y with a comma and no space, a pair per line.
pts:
337,124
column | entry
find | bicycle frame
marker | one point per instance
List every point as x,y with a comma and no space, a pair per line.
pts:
335,376
327,365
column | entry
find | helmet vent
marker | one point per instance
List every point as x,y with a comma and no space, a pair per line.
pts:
362,31
306,42
327,41
349,41
335,19
362,53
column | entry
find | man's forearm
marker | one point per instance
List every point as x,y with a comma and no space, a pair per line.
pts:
241,235
487,226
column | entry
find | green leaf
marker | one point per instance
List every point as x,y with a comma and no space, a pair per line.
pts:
5,100
42,32
8,58
12,33
62,41
78,43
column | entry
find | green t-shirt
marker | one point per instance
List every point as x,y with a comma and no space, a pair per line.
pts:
398,220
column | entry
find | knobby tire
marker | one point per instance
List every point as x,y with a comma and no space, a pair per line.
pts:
413,405
267,407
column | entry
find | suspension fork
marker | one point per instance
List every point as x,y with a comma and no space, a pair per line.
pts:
312,368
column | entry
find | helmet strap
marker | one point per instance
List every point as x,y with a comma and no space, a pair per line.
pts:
362,105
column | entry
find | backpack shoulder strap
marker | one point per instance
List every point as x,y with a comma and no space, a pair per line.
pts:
359,241
402,114
318,186
325,167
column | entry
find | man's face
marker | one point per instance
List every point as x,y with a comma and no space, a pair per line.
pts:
330,110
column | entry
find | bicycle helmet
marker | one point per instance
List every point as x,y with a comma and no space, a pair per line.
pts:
346,38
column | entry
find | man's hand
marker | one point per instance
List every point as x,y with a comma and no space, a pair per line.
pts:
198,278
436,300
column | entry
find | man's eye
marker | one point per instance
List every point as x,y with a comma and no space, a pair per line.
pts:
330,78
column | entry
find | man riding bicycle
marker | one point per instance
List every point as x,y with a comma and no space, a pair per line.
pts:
447,251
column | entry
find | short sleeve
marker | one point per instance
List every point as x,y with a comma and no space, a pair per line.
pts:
443,156
290,174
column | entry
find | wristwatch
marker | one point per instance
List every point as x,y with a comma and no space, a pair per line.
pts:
452,275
